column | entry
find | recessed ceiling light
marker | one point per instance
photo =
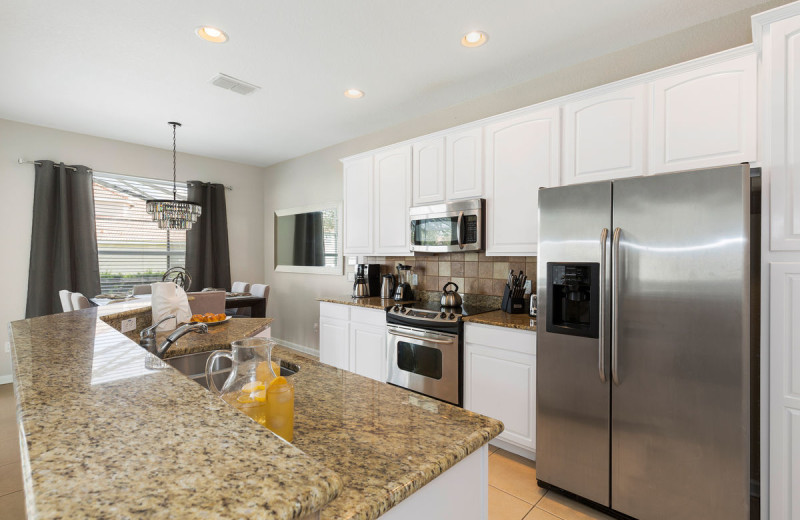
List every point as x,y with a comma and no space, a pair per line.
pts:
474,39
353,93
211,34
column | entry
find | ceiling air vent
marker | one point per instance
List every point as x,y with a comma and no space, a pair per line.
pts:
236,85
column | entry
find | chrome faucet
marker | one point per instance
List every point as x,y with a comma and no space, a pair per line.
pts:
147,338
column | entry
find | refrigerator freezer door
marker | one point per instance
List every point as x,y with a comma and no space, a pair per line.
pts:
572,398
679,441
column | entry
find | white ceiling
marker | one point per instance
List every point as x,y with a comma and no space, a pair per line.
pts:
121,70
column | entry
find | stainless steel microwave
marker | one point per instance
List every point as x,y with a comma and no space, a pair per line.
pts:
453,226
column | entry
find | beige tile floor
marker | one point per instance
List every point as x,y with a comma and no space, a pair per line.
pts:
513,493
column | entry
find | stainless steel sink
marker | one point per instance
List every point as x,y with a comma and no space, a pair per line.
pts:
193,366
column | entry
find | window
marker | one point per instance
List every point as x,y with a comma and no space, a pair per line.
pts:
132,250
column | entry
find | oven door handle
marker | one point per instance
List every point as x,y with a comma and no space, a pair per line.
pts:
420,338
458,230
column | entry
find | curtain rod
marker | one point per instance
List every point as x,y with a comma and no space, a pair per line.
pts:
23,161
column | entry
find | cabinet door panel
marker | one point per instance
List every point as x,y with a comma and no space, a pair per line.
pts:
368,351
521,156
392,200
502,384
464,164
357,206
334,337
428,171
603,136
705,117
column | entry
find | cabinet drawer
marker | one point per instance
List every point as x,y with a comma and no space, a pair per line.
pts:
372,317
334,310
522,341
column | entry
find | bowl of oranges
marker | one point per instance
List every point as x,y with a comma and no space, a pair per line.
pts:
209,318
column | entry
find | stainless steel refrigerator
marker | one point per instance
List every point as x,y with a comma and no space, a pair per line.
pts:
642,401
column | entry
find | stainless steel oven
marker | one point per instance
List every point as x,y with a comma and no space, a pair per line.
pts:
454,226
425,361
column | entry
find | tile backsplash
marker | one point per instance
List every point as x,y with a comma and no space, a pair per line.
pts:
474,273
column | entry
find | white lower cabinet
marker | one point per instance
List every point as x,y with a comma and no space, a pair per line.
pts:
353,338
500,381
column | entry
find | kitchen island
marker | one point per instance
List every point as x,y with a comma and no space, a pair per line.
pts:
108,430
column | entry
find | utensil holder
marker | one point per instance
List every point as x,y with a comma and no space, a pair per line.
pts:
512,305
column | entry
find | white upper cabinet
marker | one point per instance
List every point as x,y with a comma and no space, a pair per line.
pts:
522,155
357,206
464,164
428,172
392,201
705,117
603,136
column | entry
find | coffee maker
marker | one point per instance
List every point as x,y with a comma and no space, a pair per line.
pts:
403,290
360,286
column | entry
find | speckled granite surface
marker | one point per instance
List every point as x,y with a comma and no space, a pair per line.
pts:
370,303
504,319
383,441
103,436
218,337
113,438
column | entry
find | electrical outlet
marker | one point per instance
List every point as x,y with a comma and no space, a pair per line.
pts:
128,325
351,277
528,287
8,347
352,260
414,279
316,328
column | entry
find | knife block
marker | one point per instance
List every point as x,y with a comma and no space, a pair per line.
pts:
512,305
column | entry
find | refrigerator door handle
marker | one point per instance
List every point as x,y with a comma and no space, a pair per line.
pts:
601,334
615,306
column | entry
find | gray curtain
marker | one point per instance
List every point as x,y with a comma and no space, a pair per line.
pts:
63,237
207,256
309,246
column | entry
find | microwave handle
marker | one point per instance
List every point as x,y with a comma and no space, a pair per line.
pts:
458,230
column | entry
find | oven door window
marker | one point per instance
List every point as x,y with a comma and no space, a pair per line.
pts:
418,359
443,231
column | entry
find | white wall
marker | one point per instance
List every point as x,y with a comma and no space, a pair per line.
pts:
245,202
317,177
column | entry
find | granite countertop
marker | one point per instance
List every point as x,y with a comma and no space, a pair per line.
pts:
504,319
374,302
219,336
102,434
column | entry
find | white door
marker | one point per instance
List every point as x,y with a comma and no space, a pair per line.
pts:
368,351
392,201
706,117
334,336
603,136
428,171
502,384
522,155
464,164
357,206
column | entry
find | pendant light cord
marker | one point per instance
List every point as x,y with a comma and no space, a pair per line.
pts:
174,170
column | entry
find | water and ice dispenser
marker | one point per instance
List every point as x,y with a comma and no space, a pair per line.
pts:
573,298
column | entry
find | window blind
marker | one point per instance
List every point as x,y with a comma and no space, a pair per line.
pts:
132,250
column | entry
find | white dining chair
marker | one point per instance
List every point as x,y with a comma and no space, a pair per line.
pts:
79,301
240,287
142,289
207,301
260,291
66,300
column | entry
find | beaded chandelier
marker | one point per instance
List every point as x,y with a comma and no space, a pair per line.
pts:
174,214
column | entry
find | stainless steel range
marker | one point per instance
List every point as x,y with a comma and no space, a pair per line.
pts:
425,344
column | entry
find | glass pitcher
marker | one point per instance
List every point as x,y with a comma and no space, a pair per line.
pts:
254,387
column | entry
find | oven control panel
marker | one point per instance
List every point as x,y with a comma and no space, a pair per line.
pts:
422,314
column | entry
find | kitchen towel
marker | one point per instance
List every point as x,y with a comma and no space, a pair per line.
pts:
169,299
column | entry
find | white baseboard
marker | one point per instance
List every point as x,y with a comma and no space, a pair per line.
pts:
513,448
300,348
4,380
